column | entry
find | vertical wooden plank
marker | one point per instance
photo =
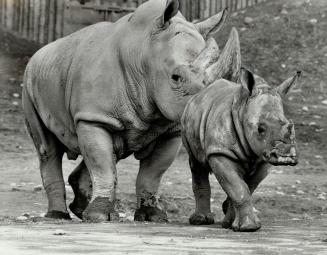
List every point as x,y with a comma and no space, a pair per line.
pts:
198,9
20,28
187,10
218,5
223,4
28,18
207,8
212,7
32,19
1,6
58,19
5,13
238,4
17,14
24,26
62,22
29,21
35,25
46,21
39,34
55,20
50,39
201,6
13,17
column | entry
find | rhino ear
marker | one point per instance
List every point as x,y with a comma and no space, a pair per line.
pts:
172,7
212,25
285,87
247,80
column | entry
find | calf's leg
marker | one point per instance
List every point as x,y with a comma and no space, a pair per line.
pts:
252,180
202,193
228,175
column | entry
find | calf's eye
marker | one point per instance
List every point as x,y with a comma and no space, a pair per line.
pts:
262,128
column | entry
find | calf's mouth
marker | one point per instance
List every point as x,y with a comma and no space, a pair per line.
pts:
282,154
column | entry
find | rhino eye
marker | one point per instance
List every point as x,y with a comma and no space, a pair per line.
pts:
176,78
262,128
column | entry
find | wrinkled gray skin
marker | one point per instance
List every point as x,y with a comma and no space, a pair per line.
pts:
111,90
236,131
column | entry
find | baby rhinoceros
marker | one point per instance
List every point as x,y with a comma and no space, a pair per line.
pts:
236,131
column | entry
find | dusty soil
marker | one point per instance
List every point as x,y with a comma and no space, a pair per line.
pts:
139,238
292,201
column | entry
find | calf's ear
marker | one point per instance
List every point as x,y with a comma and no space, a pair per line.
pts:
171,9
212,25
247,80
285,87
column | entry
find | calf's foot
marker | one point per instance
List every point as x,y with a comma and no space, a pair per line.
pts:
246,220
100,210
152,214
199,218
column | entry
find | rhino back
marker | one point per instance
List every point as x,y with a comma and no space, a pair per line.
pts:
52,72
207,122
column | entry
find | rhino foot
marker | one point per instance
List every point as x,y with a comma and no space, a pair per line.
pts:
77,209
58,215
100,210
149,213
246,224
81,184
229,212
225,206
202,219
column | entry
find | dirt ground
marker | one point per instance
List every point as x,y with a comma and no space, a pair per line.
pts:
282,37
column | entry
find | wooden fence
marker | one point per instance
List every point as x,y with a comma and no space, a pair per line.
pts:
43,21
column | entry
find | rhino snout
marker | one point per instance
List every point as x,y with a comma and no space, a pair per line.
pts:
282,154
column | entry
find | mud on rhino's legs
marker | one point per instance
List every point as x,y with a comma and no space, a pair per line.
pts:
227,173
202,193
151,170
96,147
81,183
50,152
253,181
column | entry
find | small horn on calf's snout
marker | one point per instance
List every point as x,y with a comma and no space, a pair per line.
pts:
292,129
208,56
228,65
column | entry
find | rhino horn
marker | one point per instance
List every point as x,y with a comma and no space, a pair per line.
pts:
208,56
286,86
212,25
228,65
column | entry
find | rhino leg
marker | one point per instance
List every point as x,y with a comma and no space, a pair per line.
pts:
50,152
252,181
97,150
229,211
202,193
81,183
229,176
151,170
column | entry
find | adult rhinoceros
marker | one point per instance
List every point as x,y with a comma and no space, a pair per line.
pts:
111,90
